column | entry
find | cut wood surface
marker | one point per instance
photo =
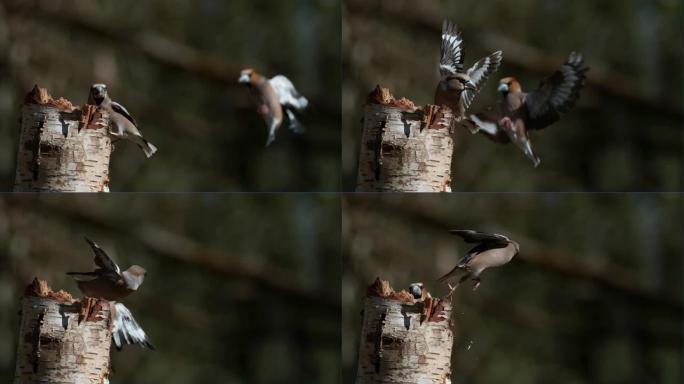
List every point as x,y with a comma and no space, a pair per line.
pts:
404,340
404,148
62,148
62,340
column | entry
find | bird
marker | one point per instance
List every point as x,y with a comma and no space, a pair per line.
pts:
125,126
492,250
457,89
125,330
416,290
518,112
107,281
272,96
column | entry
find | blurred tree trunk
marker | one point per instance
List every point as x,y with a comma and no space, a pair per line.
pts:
404,340
62,148
404,148
62,340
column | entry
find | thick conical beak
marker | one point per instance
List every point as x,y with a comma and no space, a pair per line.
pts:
503,87
243,79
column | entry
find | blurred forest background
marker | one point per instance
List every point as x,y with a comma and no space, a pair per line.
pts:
174,65
624,134
595,295
239,289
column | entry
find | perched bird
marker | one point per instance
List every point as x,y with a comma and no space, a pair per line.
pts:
125,330
123,123
492,250
457,89
519,113
271,97
107,281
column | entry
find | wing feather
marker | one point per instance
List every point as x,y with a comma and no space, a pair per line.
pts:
118,108
287,93
451,52
556,94
479,73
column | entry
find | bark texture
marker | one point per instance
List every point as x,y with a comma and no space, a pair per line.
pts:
404,148
62,148
62,340
404,340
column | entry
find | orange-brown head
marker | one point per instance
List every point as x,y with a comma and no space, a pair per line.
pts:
509,84
249,76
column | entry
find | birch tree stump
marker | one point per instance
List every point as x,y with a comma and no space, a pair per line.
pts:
61,147
404,148
404,340
62,340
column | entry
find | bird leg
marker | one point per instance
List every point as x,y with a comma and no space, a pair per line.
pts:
477,283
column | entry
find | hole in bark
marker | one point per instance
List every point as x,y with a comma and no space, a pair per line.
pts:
65,127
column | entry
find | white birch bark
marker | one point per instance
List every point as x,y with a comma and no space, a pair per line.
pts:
62,340
404,148
62,148
404,340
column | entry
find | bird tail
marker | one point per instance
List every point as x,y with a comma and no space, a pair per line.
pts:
294,125
148,148
125,330
271,133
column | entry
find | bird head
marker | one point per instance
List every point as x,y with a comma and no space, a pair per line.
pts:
248,76
416,290
98,92
509,84
134,276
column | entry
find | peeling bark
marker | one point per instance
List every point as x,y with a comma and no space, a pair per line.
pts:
404,340
62,148
62,340
404,148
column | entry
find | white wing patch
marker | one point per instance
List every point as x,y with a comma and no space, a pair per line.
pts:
287,94
126,330
479,73
486,126
451,53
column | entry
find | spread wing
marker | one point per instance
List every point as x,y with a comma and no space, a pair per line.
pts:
472,236
118,108
287,94
126,330
479,73
451,52
102,260
556,94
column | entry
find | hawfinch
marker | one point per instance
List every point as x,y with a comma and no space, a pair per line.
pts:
457,89
519,112
492,250
123,124
272,96
107,281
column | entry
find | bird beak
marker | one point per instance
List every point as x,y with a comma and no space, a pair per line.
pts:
244,79
503,87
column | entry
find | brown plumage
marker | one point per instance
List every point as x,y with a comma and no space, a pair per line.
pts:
107,281
457,89
519,113
272,97
492,250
